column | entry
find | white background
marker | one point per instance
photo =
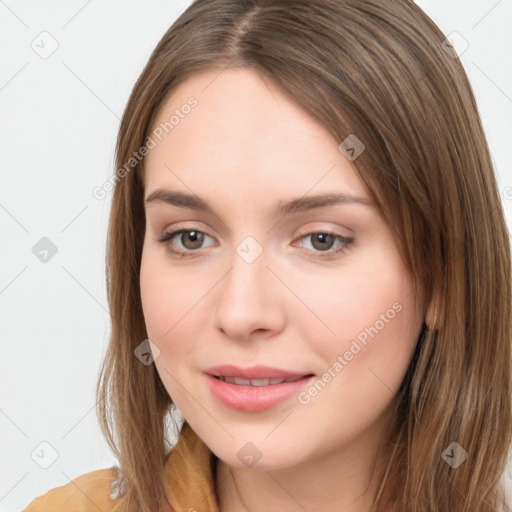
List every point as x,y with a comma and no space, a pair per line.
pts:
58,124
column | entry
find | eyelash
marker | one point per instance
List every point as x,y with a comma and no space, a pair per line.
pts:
346,242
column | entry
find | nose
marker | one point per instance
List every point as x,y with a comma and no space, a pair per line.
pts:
249,300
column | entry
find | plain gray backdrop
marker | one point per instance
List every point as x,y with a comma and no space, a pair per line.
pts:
67,69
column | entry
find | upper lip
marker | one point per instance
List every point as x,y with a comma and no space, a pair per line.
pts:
253,372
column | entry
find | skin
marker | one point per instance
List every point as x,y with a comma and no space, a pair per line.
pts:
243,148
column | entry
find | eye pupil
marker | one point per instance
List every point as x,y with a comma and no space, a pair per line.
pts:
324,238
194,236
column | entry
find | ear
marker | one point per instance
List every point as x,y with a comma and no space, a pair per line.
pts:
433,316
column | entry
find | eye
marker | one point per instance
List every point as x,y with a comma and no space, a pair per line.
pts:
322,242
190,239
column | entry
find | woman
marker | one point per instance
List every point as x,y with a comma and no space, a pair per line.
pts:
368,374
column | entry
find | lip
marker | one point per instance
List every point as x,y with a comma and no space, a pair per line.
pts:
253,372
255,398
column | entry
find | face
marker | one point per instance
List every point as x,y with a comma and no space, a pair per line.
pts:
320,292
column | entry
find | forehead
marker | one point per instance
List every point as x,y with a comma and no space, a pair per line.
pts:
243,136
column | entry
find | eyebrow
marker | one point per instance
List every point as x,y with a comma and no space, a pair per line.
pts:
295,205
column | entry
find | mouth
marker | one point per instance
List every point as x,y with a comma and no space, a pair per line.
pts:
255,393
258,375
257,382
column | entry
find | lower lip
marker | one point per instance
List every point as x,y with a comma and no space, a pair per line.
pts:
254,398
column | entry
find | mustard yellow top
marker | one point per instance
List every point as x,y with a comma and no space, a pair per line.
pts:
189,483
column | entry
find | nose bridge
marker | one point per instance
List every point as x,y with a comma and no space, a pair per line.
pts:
246,279
245,300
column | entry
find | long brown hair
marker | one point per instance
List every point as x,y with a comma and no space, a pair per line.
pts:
378,70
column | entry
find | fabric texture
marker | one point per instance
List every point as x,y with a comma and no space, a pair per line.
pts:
189,482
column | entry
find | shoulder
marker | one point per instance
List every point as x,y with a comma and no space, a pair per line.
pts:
88,492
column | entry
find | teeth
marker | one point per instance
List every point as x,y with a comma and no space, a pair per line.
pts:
256,382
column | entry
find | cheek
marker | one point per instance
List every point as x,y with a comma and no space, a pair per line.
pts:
157,302
368,317
176,310
168,306
372,289
167,296
377,326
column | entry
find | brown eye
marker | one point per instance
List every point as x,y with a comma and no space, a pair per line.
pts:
192,239
322,241
183,241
